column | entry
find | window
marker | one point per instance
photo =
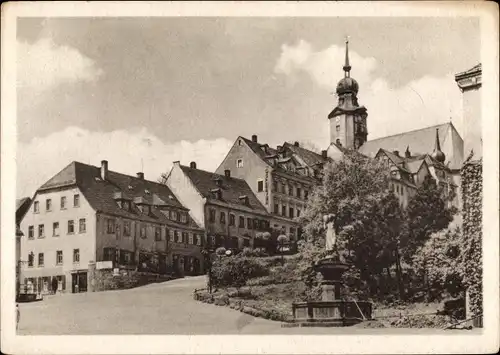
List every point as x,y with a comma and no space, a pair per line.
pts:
41,231
40,260
292,231
283,210
178,237
59,257
249,223
82,228
76,200
222,218
260,186
283,188
240,142
36,207
211,215
31,232
109,254
171,235
71,227
276,208
63,202
198,239
191,239
183,218
76,255
290,190
31,258
55,229
48,204
275,186
173,215
126,228
298,213
242,222
110,226
239,163
337,128
290,212
299,192
143,231
157,234
306,194
232,220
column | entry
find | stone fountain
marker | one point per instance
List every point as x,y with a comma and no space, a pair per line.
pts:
332,310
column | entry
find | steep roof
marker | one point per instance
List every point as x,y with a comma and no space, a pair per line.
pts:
420,141
472,71
102,195
257,149
22,206
232,189
308,156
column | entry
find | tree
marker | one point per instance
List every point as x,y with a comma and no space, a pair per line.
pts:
368,217
440,260
427,213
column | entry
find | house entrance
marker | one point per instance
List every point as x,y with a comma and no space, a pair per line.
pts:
79,282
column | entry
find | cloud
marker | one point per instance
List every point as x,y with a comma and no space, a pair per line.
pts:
422,102
42,158
43,65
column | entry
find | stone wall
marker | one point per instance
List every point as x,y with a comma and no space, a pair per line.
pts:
106,280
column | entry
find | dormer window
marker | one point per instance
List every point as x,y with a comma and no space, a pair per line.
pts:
239,163
244,199
147,192
130,187
216,193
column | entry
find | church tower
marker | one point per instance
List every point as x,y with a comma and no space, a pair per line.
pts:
348,120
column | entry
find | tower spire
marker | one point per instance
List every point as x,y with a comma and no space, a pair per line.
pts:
438,153
347,66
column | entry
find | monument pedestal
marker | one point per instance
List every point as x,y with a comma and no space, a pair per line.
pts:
331,311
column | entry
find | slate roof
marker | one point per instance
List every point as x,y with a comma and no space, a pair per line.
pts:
269,152
310,158
420,141
232,189
102,195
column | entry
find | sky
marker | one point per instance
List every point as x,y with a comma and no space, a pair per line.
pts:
144,92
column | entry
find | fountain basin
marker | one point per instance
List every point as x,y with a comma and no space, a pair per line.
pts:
337,313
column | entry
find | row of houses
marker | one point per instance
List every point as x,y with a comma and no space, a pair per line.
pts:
87,217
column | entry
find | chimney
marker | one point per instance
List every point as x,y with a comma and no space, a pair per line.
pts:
396,153
227,172
140,176
323,154
104,169
254,138
192,165
296,144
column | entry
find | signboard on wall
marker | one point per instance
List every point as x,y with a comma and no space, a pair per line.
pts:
104,265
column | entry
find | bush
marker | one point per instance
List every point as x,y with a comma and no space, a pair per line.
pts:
235,271
248,252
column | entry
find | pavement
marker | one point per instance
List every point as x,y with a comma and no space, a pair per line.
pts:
166,308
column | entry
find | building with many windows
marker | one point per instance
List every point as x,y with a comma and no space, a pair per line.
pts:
85,215
280,177
223,205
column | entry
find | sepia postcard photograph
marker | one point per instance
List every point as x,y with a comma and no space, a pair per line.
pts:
249,177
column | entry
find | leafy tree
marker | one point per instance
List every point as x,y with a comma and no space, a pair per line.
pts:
439,260
427,213
220,251
368,217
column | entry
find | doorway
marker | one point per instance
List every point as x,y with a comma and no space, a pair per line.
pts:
79,282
